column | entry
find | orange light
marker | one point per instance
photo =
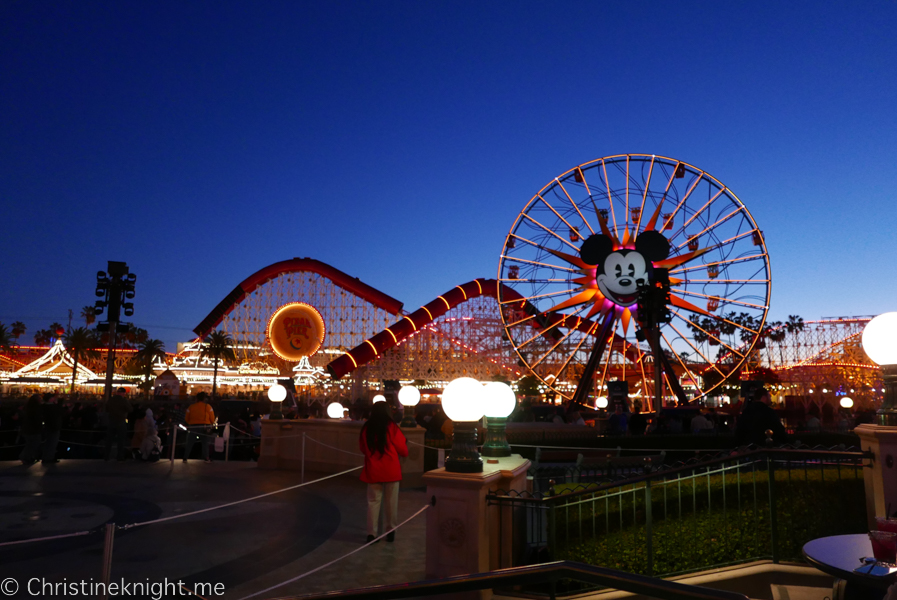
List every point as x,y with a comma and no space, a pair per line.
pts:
295,331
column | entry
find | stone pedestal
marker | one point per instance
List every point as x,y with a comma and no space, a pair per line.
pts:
881,479
462,532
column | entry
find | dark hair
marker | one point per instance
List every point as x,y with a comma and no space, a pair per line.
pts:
201,396
121,391
760,392
377,427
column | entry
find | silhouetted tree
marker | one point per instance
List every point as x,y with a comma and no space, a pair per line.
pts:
218,346
80,343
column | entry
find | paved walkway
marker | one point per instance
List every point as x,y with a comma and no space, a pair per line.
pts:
247,548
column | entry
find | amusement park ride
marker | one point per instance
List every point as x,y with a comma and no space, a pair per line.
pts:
630,268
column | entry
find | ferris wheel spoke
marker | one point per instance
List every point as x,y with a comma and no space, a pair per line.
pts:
647,185
561,185
707,359
550,350
589,333
718,223
709,334
547,230
679,358
540,332
727,301
566,291
518,280
720,281
709,202
684,198
540,264
610,201
558,215
730,261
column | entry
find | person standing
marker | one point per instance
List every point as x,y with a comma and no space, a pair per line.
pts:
117,409
32,418
757,417
52,414
200,417
382,443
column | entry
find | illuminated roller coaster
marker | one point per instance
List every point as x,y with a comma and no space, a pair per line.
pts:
369,339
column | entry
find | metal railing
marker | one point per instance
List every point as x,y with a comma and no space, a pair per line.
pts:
744,506
547,576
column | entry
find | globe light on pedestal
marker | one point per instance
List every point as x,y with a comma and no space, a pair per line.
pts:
846,402
409,396
463,403
601,402
335,410
880,343
500,403
277,394
379,398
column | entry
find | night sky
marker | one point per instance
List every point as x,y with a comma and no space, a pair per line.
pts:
398,141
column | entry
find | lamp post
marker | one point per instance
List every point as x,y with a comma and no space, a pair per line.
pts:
462,401
409,396
500,403
276,394
880,344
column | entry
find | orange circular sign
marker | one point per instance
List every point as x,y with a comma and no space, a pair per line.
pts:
295,330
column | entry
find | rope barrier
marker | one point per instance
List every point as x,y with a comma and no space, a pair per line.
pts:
614,448
336,560
51,537
211,508
333,447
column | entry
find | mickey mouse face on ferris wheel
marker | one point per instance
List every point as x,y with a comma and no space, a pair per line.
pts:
619,273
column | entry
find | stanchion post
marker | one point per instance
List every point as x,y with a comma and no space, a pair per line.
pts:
107,558
174,439
226,441
302,476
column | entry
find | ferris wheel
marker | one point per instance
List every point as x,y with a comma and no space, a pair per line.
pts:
586,244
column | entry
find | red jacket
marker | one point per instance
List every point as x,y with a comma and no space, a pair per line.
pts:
383,468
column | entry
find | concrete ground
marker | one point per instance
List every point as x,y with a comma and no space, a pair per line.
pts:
246,548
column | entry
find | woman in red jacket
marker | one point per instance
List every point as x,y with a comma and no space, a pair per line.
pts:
382,443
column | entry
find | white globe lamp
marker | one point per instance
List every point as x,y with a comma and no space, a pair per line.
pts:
880,344
601,402
500,403
463,402
379,398
335,410
409,397
277,394
846,402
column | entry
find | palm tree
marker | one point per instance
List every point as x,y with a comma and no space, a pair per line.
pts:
80,343
90,314
42,337
218,346
149,351
776,332
5,338
17,329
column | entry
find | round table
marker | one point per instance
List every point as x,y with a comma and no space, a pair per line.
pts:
839,556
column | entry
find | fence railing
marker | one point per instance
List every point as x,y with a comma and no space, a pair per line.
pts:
550,576
749,505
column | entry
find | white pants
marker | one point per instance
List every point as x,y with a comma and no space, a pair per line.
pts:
388,494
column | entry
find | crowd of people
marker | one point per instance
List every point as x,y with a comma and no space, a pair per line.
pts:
52,426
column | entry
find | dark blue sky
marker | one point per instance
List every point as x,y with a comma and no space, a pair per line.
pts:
398,141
